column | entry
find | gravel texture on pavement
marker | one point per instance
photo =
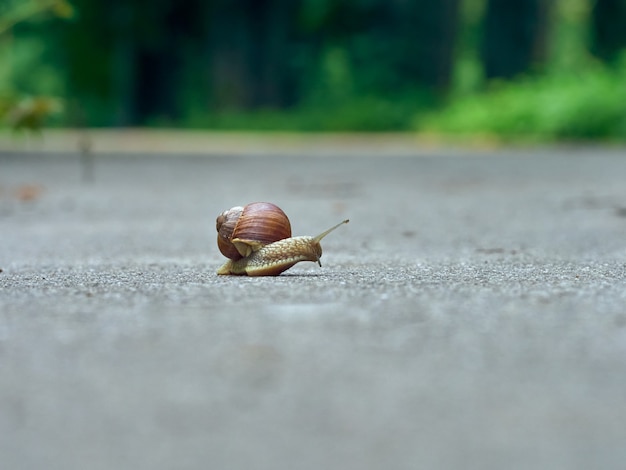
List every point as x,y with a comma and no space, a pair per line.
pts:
471,315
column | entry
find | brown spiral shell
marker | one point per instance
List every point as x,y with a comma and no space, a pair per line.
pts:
262,222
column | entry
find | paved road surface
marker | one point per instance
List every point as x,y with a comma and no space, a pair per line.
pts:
472,314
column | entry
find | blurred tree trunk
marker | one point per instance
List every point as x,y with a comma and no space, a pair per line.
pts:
432,28
156,86
159,59
228,44
87,57
271,58
123,69
515,36
608,23
250,56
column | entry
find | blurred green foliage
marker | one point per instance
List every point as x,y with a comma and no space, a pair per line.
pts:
358,113
574,96
588,104
30,86
318,65
13,12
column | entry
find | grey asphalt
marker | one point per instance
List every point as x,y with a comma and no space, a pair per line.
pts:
472,314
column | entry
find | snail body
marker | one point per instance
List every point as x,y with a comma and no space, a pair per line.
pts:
273,254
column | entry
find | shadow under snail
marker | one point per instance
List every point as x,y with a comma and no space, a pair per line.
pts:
257,240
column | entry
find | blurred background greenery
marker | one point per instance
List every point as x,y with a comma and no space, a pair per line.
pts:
532,69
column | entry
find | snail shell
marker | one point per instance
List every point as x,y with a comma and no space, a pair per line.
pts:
242,230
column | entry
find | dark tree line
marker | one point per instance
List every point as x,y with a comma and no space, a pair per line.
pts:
609,28
145,59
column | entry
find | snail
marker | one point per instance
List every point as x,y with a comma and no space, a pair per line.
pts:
257,240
